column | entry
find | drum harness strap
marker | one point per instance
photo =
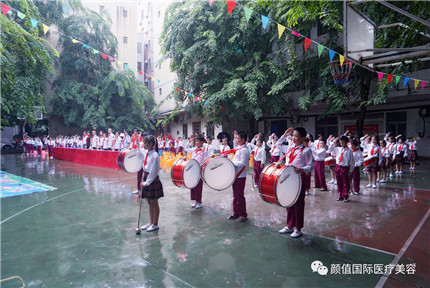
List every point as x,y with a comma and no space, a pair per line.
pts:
233,151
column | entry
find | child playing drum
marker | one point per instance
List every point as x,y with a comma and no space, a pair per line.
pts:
300,157
198,154
152,189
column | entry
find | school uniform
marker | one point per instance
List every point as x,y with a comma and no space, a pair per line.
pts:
259,160
180,146
223,148
374,151
241,162
39,147
412,153
152,187
385,154
94,142
106,143
117,143
319,155
391,147
400,152
301,157
284,146
209,150
199,155
275,152
358,161
344,165
172,146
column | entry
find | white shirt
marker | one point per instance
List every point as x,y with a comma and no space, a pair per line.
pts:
375,152
223,148
347,157
399,147
358,157
302,157
274,151
385,152
412,145
117,143
111,138
241,160
391,147
259,153
94,141
209,149
106,143
197,154
284,148
319,154
152,166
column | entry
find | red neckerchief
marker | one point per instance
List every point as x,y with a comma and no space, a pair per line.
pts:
353,150
291,154
341,155
146,157
223,149
412,146
371,151
400,147
273,149
383,152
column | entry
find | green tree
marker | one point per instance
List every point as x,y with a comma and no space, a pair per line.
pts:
26,59
89,93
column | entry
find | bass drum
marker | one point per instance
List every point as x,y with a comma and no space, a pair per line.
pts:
218,172
185,173
128,161
280,185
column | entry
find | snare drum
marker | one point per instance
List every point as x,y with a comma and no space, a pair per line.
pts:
128,161
185,173
369,161
329,161
280,185
218,172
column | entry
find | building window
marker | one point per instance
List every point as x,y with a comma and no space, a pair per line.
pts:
210,131
139,66
160,91
124,13
196,127
185,131
124,39
326,126
396,123
139,48
101,8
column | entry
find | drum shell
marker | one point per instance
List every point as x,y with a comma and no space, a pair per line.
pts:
329,161
120,160
177,173
268,183
368,161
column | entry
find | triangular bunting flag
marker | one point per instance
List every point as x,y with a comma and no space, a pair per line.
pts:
140,72
20,14
341,59
153,79
211,2
177,89
307,43
281,29
33,22
95,51
295,33
104,56
380,76
423,84
75,41
389,77
416,82
397,79
405,81
158,80
230,6
248,13
86,46
265,21
126,66
4,8
331,54
45,29
119,63
111,58
320,49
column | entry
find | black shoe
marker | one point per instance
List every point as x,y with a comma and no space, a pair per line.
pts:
232,217
339,199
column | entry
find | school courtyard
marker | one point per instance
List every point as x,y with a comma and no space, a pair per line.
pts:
82,234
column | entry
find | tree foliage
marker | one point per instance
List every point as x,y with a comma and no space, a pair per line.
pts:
27,61
89,93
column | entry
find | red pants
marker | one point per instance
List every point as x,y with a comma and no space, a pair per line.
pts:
196,192
296,213
39,150
139,179
342,179
257,171
274,159
180,150
319,176
307,181
239,201
51,150
356,179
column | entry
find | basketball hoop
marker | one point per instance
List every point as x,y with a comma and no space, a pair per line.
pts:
340,72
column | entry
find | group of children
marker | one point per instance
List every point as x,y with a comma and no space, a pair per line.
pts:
299,151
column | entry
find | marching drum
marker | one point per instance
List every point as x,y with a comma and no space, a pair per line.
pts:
128,161
329,161
280,185
218,172
368,161
185,173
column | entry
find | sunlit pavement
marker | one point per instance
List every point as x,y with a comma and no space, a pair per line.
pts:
82,234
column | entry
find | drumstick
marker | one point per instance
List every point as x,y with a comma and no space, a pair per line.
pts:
140,209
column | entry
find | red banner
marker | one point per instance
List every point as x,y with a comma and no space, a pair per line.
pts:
372,129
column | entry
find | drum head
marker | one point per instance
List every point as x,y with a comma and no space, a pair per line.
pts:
219,173
288,187
191,173
132,162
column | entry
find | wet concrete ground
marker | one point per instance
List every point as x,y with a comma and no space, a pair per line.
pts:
82,234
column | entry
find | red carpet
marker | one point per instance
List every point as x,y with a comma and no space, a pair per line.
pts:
99,158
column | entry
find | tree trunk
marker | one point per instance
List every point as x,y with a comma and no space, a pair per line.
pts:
365,80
